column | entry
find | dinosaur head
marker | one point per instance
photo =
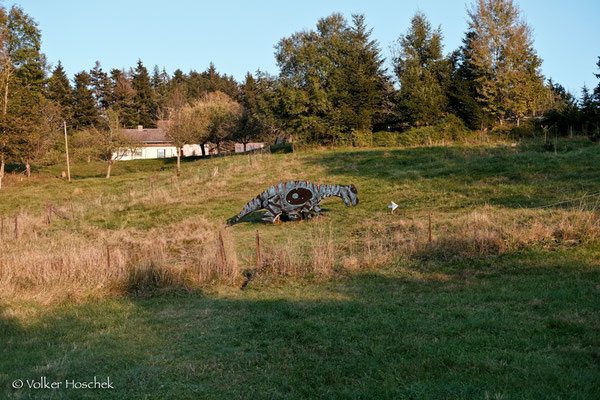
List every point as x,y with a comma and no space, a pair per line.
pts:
349,195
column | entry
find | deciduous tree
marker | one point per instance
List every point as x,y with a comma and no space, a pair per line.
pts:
21,60
181,124
111,142
500,44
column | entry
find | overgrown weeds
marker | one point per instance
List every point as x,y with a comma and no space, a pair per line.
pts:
95,262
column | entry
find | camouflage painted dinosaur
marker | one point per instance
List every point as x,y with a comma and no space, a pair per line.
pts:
295,201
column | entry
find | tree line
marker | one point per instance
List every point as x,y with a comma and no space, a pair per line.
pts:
333,88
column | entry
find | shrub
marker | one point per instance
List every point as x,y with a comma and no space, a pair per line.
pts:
385,139
362,138
526,129
450,128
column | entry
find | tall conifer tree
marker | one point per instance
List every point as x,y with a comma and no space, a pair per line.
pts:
123,96
85,112
60,91
144,100
330,81
100,84
421,71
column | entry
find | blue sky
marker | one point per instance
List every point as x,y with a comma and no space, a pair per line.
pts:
238,36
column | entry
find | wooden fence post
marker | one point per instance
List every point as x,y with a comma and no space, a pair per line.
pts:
67,151
430,238
257,250
222,250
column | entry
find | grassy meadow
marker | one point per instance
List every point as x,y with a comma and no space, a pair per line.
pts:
502,303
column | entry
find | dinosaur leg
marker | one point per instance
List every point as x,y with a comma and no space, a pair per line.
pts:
306,212
272,216
317,209
294,216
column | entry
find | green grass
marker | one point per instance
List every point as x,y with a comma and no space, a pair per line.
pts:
525,324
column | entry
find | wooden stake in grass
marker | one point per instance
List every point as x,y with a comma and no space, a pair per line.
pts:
48,214
16,226
67,151
257,250
430,238
108,257
222,250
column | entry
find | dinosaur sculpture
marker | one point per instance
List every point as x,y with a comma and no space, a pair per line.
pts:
295,201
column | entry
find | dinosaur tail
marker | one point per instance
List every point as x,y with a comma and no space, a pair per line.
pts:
253,205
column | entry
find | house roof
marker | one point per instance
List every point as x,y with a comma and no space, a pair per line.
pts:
147,135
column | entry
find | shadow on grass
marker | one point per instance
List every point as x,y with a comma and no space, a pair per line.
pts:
384,334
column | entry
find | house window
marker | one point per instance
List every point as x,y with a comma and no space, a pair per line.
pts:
161,153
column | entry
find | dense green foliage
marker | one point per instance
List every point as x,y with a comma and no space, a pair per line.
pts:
331,80
422,73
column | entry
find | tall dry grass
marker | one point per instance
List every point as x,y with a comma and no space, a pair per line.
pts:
47,264
479,233
317,255
94,262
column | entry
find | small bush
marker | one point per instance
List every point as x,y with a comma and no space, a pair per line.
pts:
362,138
449,129
526,129
281,148
385,139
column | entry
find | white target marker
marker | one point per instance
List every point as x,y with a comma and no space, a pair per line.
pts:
393,206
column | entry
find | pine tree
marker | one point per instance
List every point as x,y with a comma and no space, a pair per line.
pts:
60,91
100,84
365,78
421,69
249,126
462,91
144,100
85,112
330,84
160,85
593,114
123,96
178,77
509,81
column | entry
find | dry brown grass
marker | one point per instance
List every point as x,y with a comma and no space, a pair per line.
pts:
480,233
97,262
318,257
47,265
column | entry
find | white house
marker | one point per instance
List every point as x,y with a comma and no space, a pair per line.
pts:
155,144
239,147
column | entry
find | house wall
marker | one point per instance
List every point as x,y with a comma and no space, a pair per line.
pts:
194,150
239,147
148,152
